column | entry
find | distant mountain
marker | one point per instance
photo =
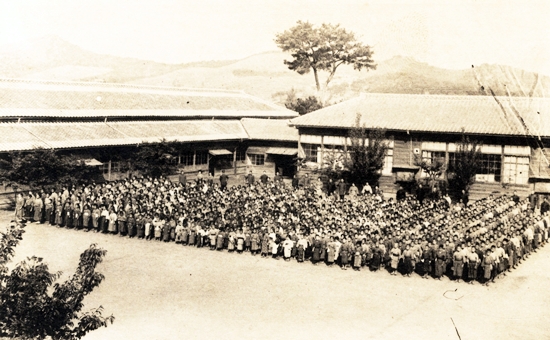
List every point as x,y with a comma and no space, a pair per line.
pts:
264,74
52,58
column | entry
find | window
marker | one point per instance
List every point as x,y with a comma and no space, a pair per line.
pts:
388,163
241,156
516,170
432,156
311,152
115,167
104,167
256,159
202,157
491,166
187,158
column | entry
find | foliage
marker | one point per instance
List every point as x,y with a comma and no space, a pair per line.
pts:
154,159
333,166
467,164
365,155
41,167
34,306
323,48
434,168
302,105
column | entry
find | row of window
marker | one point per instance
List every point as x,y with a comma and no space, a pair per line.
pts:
513,170
186,159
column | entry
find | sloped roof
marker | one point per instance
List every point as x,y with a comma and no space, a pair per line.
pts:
25,98
14,138
66,135
181,131
437,113
270,129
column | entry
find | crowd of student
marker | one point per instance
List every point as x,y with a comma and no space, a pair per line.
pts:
474,242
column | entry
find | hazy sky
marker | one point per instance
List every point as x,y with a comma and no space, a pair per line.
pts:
452,34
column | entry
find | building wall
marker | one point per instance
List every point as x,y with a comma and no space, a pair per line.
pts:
506,160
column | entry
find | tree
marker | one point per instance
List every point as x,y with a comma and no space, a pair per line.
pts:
303,105
41,167
34,306
365,154
154,159
323,48
466,165
333,165
434,168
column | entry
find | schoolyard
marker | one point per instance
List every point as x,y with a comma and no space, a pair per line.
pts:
167,291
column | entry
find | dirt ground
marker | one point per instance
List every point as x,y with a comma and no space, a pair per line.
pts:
169,291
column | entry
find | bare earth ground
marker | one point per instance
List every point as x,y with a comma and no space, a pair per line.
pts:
168,291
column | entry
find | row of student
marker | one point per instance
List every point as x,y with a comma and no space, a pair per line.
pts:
297,220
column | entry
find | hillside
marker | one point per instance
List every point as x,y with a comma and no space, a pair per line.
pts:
264,74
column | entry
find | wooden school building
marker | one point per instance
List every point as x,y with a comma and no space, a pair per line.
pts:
514,132
217,129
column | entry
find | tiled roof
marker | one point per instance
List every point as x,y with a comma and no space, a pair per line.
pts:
182,131
27,136
437,113
270,129
15,138
24,98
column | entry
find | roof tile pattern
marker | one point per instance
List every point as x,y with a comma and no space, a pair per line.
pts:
26,98
270,129
182,131
437,113
15,138
27,136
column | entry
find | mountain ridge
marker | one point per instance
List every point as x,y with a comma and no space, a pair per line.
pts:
263,74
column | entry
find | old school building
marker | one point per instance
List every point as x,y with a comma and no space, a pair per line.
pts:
514,132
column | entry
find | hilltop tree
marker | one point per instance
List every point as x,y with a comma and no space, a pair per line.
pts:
34,306
323,48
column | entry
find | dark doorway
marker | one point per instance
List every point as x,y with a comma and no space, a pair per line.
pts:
285,165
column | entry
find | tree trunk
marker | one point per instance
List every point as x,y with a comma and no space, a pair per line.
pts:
316,79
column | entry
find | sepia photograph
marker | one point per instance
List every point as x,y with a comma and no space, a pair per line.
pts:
253,169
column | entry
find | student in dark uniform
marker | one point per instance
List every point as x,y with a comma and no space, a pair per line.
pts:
223,180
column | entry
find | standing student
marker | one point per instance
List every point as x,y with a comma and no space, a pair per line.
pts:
112,226
440,262
38,205
341,189
122,223
408,260
86,217
48,209
264,178
473,262
131,227
288,244
254,242
77,217
395,256
487,265
458,263
223,180
249,179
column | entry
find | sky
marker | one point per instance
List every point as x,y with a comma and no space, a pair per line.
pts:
450,34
